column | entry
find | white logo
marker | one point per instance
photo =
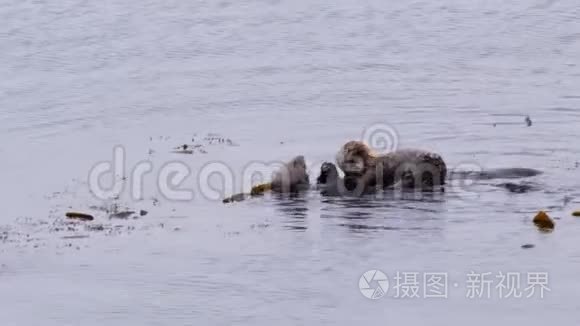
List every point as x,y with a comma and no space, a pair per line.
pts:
382,138
373,284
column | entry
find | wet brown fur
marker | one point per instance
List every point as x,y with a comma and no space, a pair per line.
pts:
408,168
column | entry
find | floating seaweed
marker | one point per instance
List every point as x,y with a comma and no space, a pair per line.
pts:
79,216
255,191
544,222
122,215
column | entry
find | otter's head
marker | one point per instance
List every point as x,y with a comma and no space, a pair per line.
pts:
297,168
291,176
298,162
328,174
354,158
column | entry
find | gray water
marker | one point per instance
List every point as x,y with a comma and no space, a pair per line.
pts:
282,78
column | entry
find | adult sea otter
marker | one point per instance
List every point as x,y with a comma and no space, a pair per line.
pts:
366,171
407,168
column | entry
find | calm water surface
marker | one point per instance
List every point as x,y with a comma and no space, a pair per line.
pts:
281,78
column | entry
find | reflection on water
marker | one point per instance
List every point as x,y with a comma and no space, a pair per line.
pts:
283,78
387,209
409,211
294,208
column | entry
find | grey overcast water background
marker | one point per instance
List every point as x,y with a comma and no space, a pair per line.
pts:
281,78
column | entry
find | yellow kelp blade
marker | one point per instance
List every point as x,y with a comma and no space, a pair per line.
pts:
256,191
260,189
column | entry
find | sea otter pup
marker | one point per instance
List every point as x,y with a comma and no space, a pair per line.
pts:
291,177
405,168
330,183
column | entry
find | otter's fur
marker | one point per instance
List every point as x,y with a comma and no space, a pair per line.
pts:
329,182
291,177
408,168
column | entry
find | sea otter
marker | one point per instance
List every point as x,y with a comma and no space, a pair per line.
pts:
330,183
406,168
366,171
290,178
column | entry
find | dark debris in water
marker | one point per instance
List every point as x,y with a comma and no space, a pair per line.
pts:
4,236
122,215
528,246
527,121
80,216
213,139
80,236
67,221
235,198
296,228
260,226
195,145
31,233
518,188
199,145
95,227
187,152
363,227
